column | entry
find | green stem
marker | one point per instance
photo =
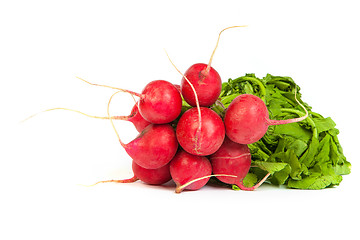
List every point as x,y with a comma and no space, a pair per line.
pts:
300,113
228,99
254,80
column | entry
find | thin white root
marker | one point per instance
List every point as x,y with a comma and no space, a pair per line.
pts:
303,107
67,109
120,89
129,180
111,121
217,43
286,121
197,147
182,187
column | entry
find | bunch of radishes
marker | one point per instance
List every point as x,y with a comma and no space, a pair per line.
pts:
192,146
201,144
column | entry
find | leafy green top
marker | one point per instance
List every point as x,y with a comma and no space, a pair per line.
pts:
304,155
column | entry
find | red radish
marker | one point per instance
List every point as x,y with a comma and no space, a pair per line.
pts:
185,167
207,84
233,159
204,140
160,101
204,79
156,176
247,119
154,147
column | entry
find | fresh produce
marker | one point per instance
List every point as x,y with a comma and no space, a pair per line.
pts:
156,176
154,147
160,102
201,83
204,140
306,154
247,119
207,83
302,154
186,167
231,158
238,134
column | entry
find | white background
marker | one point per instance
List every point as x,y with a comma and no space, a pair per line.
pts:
44,45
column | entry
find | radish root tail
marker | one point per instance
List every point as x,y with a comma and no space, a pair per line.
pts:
111,121
198,131
72,110
236,157
217,43
279,122
180,188
91,116
129,180
120,89
242,187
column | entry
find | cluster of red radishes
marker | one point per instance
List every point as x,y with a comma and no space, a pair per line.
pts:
202,144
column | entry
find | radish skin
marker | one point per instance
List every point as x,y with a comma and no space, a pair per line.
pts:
204,142
160,102
231,158
205,79
207,85
185,167
154,147
156,176
247,119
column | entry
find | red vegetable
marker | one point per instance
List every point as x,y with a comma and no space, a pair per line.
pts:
200,138
186,167
160,102
156,176
206,81
247,119
154,147
231,158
